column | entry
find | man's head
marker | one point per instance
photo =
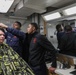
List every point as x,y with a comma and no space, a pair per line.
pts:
68,28
17,25
2,35
59,27
32,27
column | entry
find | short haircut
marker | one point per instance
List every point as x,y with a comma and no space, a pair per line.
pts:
68,28
58,26
18,23
1,29
35,25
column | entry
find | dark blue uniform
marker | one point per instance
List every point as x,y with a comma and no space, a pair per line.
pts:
37,47
25,41
68,43
59,35
14,42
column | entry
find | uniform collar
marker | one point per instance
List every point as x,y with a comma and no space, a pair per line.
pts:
34,33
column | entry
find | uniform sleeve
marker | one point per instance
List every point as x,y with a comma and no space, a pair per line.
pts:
46,44
6,33
17,33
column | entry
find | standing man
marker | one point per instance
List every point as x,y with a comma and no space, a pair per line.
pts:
38,45
60,32
68,41
13,41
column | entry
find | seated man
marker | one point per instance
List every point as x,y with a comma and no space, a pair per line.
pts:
10,62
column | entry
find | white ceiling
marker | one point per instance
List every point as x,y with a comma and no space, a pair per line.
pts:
24,8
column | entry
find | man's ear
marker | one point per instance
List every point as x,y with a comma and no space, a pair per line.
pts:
34,28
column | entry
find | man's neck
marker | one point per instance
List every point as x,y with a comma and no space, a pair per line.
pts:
34,31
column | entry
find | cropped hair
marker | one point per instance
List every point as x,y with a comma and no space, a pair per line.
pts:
68,28
18,23
58,26
2,30
35,25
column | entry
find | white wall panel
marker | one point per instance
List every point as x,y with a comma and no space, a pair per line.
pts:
51,36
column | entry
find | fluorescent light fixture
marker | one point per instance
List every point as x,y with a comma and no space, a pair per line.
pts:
5,5
70,11
52,16
14,17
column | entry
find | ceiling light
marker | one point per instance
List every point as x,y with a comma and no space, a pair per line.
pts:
5,5
52,16
70,11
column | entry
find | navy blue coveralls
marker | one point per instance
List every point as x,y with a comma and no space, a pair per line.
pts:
25,41
59,35
14,42
37,48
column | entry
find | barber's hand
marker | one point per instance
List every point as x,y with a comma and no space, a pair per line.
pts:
52,69
3,25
